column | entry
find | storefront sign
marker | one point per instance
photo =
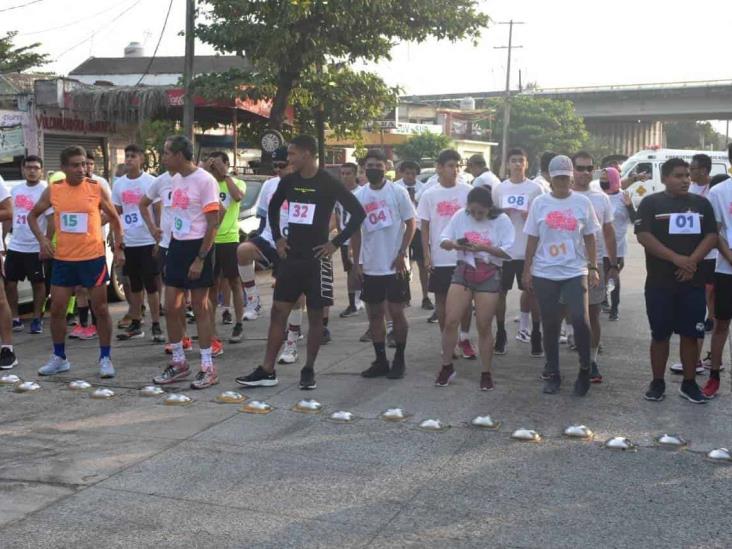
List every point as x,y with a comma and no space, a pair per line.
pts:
74,124
11,143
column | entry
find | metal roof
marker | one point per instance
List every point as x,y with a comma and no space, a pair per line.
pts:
202,64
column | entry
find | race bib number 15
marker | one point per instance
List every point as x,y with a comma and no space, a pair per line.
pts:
301,213
684,223
74,223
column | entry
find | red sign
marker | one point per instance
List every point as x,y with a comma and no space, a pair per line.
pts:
260,108
74,124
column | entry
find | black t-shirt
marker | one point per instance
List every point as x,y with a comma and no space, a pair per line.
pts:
310,204
655,215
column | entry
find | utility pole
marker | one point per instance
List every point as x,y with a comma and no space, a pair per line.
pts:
188,70
507,98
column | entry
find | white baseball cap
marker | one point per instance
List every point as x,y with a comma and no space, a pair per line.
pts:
561,165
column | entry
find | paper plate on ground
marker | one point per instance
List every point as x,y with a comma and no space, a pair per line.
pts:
619,443
342,416
580,432
485,422
230,397
308,406
526,435
26,387
177,399
433,425
257,407
721,455
151,391
79,385
394,414
671,441
102,393
9,379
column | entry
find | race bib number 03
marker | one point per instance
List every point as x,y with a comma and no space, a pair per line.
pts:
301,214
132,219
684,223
516,202
377,218
181,226
561,251
76,223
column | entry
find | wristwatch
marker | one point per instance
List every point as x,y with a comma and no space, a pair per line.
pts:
593,268
202,255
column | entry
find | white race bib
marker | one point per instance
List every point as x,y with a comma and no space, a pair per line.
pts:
516,202
167,199
378,217
225,199
561,251
132,219
20,220
301,213
76,223
684,223
181,226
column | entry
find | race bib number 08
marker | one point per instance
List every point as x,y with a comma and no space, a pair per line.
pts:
301,213
684,223
75,223
561,251
516,202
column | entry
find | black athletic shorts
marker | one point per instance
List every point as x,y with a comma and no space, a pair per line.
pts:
225,262
723,296
271,257
22,265
162,255
679,310
440,280
141,268
706,268
510,270
181,254
392,288
312,277
416,252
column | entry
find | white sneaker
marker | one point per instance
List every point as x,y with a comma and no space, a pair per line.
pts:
523,336
106,370
251,312
55,365
563,337
677,368
360,305
289,353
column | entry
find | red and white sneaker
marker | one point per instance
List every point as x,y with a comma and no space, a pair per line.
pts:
711,388
176,371
467,350
205,378
217,348
77,332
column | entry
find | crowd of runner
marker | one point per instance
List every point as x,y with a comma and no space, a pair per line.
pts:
560,239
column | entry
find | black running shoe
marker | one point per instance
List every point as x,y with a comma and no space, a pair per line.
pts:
433,319
551,384
397,370
656,390
7,359
134,331
614,316
157,333
582,384
427,304
237,333
307,379
377,369
537,349
258,378
691,392
226,318
349,311
499,347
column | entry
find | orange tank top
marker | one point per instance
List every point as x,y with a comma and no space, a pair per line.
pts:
78,220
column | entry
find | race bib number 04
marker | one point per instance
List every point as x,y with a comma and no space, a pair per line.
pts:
301,213
378,218
516,202
684,223
76,223
561,251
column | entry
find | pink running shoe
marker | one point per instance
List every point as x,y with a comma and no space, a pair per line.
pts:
467,350
90,332
77,332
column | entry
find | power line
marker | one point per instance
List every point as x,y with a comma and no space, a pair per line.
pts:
160,39
21,5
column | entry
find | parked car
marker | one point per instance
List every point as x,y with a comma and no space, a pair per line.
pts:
248,221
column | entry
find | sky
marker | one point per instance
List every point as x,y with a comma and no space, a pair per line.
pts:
565,43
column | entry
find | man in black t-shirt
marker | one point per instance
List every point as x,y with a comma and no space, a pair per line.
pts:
677,229
306,267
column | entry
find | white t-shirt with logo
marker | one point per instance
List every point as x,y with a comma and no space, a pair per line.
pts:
24,198
382,231
435,178
604,212
721,198
265,196
486,179
621,220
162,190
437,205
126,194
703,190
194,195
497,233
515,199
561,225
414,191
343,216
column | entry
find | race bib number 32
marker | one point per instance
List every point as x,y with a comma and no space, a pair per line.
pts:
684,223
301,213
74,223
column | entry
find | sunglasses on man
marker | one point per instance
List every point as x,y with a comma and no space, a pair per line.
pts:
588,169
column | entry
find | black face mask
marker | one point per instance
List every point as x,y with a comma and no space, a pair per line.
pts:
374,175
605,185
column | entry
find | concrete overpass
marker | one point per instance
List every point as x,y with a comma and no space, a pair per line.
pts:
630,117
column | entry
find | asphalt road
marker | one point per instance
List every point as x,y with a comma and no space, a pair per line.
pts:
132,472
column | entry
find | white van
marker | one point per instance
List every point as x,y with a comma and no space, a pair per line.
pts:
650,161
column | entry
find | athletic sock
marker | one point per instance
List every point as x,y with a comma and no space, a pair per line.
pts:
464,336
295,318
500,325
593,353
524,322
357,295
178,354
206,360
536,327
352,300
104,351
59,349
246,273
569,329
293,333
84,316
399,354
380,350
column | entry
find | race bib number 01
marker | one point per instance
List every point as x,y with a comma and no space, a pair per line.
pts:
516,202
132,219
378,218
301,214
181,226
684,223
561,251
76,223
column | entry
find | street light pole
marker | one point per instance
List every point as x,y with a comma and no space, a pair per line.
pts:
188,70
507,97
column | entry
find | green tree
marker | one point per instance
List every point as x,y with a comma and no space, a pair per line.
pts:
287,40
423,145
152,135
539,124
690,134
19,59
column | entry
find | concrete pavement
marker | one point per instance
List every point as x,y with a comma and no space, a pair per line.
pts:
131,472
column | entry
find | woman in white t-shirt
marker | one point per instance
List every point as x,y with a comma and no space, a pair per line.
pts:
482,235
561,260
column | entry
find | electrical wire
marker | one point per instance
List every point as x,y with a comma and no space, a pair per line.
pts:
21,5
160,38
